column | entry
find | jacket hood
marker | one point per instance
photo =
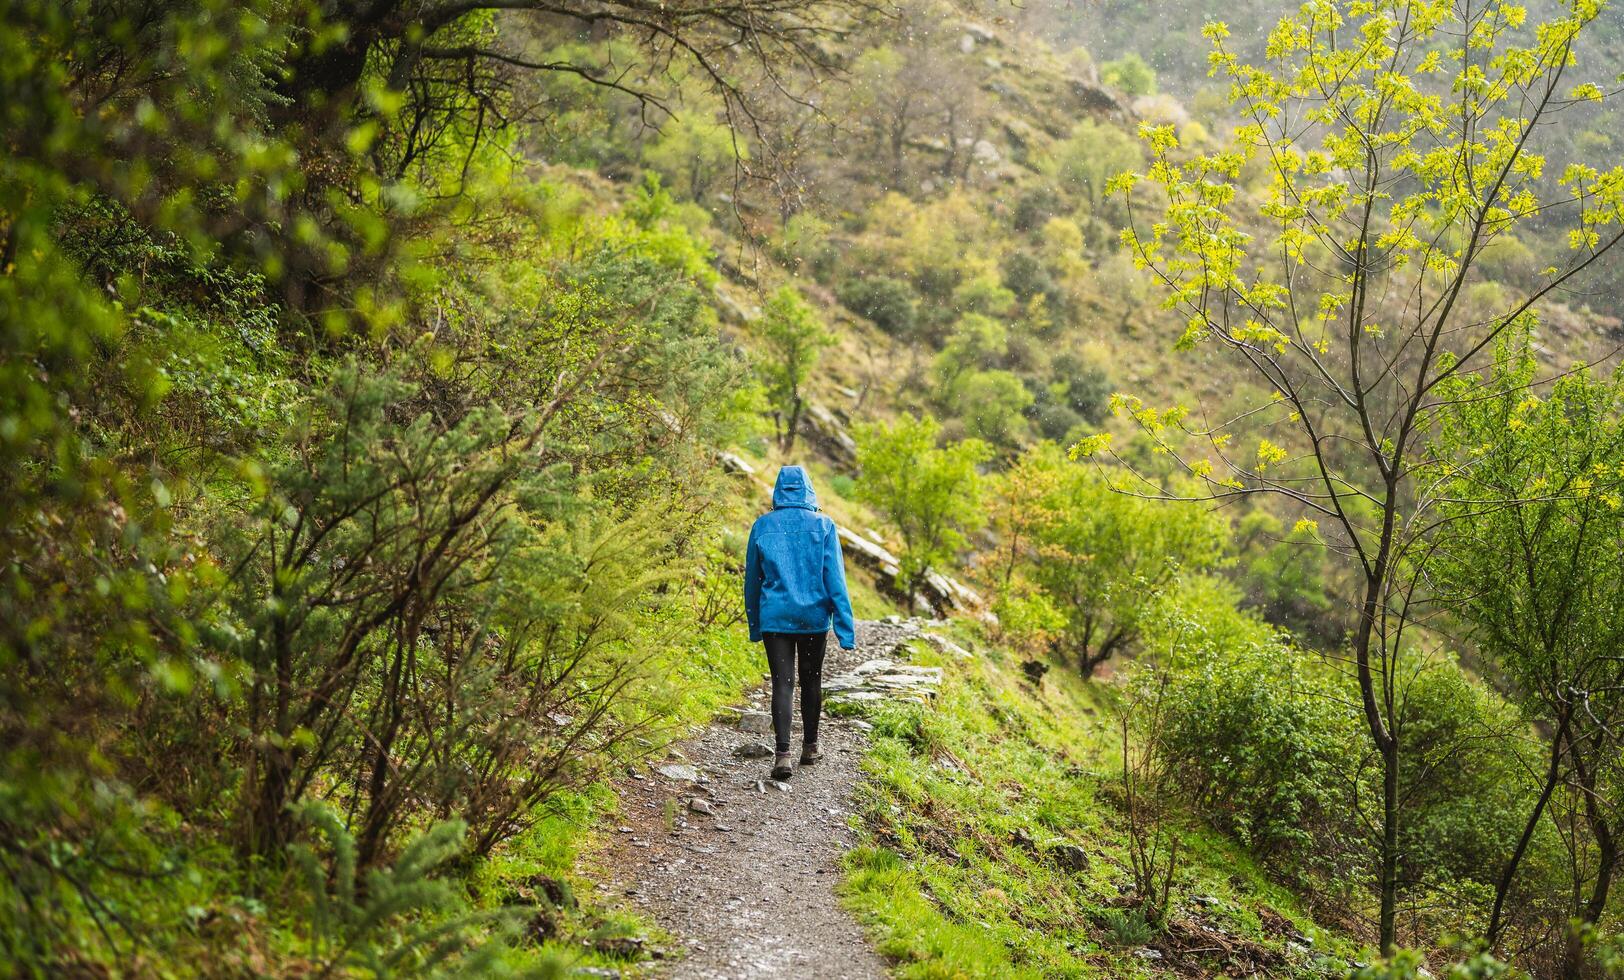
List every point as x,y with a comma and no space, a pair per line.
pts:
794,489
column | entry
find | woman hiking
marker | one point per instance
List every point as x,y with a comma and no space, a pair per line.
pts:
794,586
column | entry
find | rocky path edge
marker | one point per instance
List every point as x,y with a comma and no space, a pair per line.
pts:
741,870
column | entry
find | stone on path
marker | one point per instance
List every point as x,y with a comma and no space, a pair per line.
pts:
881,679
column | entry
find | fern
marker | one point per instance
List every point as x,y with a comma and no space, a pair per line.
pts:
1126,927
403,921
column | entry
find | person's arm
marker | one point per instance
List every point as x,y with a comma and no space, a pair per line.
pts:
834,582
752,587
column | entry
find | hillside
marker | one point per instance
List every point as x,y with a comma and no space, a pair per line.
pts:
389,389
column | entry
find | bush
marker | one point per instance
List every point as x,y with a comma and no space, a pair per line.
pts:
1036,207
888,302
1029,278
1259,737
1129,73
1126,927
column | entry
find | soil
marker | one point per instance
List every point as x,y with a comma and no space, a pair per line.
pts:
742,870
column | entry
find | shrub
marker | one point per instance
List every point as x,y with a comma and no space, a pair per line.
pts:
1129,73
1259,736
888,302
1126,927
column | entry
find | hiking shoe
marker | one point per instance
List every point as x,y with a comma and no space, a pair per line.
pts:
810,753
781,768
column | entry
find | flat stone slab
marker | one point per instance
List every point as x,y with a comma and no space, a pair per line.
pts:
881,680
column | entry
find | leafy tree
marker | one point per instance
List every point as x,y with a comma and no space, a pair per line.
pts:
1105,558
1283,572
911,89
1129,73
196,218
436,78
1017,512
890,303
794,338
977,342
991,404
1419,155
694,151
931,494
1089,157
1074,402
1530,555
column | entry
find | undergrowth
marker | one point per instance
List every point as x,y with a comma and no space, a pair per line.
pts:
996,847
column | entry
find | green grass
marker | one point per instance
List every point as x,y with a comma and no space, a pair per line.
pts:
964,802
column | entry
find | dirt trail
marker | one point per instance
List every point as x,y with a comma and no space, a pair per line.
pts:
741,870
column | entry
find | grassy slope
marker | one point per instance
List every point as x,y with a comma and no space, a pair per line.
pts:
947,884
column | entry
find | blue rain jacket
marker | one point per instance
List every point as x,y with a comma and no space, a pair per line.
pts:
794,574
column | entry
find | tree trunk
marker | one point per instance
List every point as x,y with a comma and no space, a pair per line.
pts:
1088,661
1389,851
1507,874
1385,741
1606,863
787,440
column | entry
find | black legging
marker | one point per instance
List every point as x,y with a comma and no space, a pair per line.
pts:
786,652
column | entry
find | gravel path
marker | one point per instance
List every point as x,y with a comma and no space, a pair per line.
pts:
742,871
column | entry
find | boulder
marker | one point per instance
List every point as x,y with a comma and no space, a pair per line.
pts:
828,431
945,645
733,309
1068,857
734,463
1096,98
979,33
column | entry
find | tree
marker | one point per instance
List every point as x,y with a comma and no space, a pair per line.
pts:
992,405
1530,555
915,89
931,494
1283,572
438,74
890,303
1130,74
693,151
1090,156
794,338
1395,157
1017,512
970,385
1104,559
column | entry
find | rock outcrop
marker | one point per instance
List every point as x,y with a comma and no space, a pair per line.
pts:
941,593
